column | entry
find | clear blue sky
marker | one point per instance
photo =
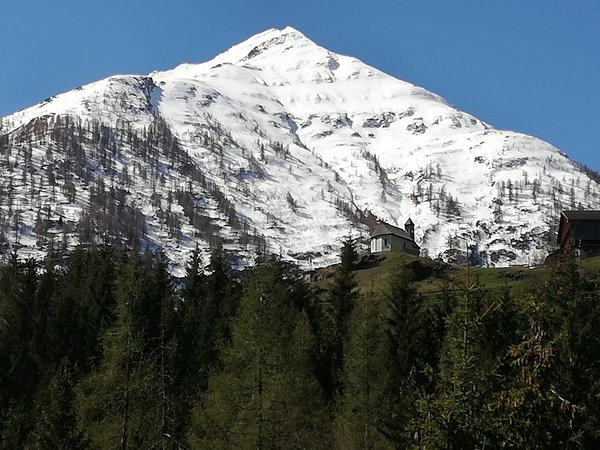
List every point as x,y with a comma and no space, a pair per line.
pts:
531,66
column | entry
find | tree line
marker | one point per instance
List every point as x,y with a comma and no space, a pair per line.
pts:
110,351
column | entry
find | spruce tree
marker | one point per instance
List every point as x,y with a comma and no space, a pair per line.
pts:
343,291
216,309
189,336
56,424
20,360
167,353
414,329
333,323
83,307
458,414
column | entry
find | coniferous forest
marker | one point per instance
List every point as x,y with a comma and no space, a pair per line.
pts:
110,352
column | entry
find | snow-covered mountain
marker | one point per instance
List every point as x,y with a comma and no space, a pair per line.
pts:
277,145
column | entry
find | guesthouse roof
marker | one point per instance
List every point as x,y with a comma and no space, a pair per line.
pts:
568,219
582,215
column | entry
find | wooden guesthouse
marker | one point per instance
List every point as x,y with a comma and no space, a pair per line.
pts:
583,227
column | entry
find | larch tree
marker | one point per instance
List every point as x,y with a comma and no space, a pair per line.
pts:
264,395
553,397
123,402
365,405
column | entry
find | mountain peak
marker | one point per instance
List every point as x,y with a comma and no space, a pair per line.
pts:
289,30
272,40
279,144
269,44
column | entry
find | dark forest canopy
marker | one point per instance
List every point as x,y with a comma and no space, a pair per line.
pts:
107,353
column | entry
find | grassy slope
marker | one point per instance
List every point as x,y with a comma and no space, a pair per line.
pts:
373,274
